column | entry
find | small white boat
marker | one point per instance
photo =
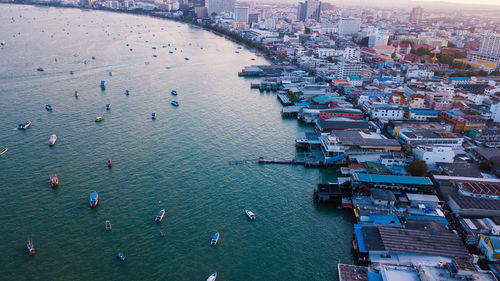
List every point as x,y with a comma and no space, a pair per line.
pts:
212,277
52,140
250,214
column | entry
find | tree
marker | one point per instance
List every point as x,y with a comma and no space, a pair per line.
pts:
417,168
364,42
330,59
484,165
451,45
393,55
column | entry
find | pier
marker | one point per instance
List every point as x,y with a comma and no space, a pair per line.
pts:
308,162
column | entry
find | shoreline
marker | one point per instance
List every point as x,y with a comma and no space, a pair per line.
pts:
152,15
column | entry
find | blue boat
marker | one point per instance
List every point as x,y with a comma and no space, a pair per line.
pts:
48,107
103,86
154,56
107,225
173,92
127,92
160,215
212,277
121,256
108,106
24,125
175,103
215,239
186,58
153,115
94,199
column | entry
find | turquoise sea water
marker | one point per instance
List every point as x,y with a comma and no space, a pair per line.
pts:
178,162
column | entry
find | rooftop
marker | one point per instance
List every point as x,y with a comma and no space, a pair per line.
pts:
422,242
480,188
393,179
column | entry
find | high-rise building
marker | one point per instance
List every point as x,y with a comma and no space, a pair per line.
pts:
416,15
311,9
489,50
490,44
241,14
349,26
220,6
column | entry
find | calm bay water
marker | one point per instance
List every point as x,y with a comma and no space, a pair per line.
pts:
178,162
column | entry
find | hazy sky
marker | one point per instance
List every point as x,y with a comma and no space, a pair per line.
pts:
484,2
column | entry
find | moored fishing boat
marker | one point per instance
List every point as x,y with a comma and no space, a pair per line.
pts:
127,92
108,106
174,93
153,115
24,125
174,103
30,246
212,277
94,199
52,140
4,151
121,256
76,94
99,119
48,107
109,163
250,214
103,86
215,239
160,215
54,181
107,225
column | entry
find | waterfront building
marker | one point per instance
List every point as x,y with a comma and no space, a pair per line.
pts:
416,15
349,26
310,9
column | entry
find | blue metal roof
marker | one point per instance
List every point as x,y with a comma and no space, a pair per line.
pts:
359,238
458,78
394,179
372,276
384,219
425,111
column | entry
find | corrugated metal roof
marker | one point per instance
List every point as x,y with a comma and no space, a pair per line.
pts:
422,242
